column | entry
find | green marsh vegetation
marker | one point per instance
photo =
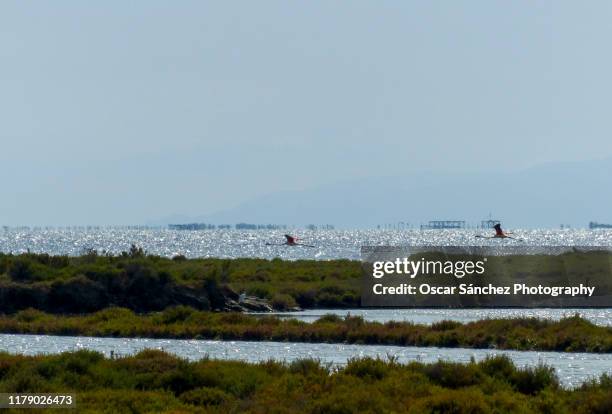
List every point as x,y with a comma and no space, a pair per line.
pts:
572,334
140,295
153,381
144,283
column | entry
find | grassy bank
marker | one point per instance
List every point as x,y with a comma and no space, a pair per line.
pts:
153,381
570,334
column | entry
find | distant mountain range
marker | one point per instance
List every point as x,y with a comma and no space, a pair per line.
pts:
570,193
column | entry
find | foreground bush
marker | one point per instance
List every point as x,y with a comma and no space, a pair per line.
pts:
153,381
572,334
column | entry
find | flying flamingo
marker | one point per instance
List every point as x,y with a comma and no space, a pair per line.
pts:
499,234
291,241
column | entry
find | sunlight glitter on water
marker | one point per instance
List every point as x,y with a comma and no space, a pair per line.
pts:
572,368
599,316
330,244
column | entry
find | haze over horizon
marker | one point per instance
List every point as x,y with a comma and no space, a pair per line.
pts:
546,196
120,113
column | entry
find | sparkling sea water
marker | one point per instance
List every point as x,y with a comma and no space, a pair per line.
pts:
329,244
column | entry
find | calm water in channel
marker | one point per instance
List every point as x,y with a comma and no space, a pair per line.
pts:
602,317
572,368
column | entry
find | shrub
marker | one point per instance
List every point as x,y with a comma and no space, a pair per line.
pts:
445,325
367,368
181,379
307,367
453,402
260,291
78,294
176,314
453,375
25,380
531,380
205,396
282,301
329,318
305,298
29,315
20,270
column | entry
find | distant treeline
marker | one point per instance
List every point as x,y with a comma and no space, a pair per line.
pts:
154,381
567,335
144,283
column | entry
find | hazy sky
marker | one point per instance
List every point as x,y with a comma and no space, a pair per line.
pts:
121,112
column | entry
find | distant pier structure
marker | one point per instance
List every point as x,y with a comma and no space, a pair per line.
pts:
443,224
315,227
239,226
191,226
596,225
